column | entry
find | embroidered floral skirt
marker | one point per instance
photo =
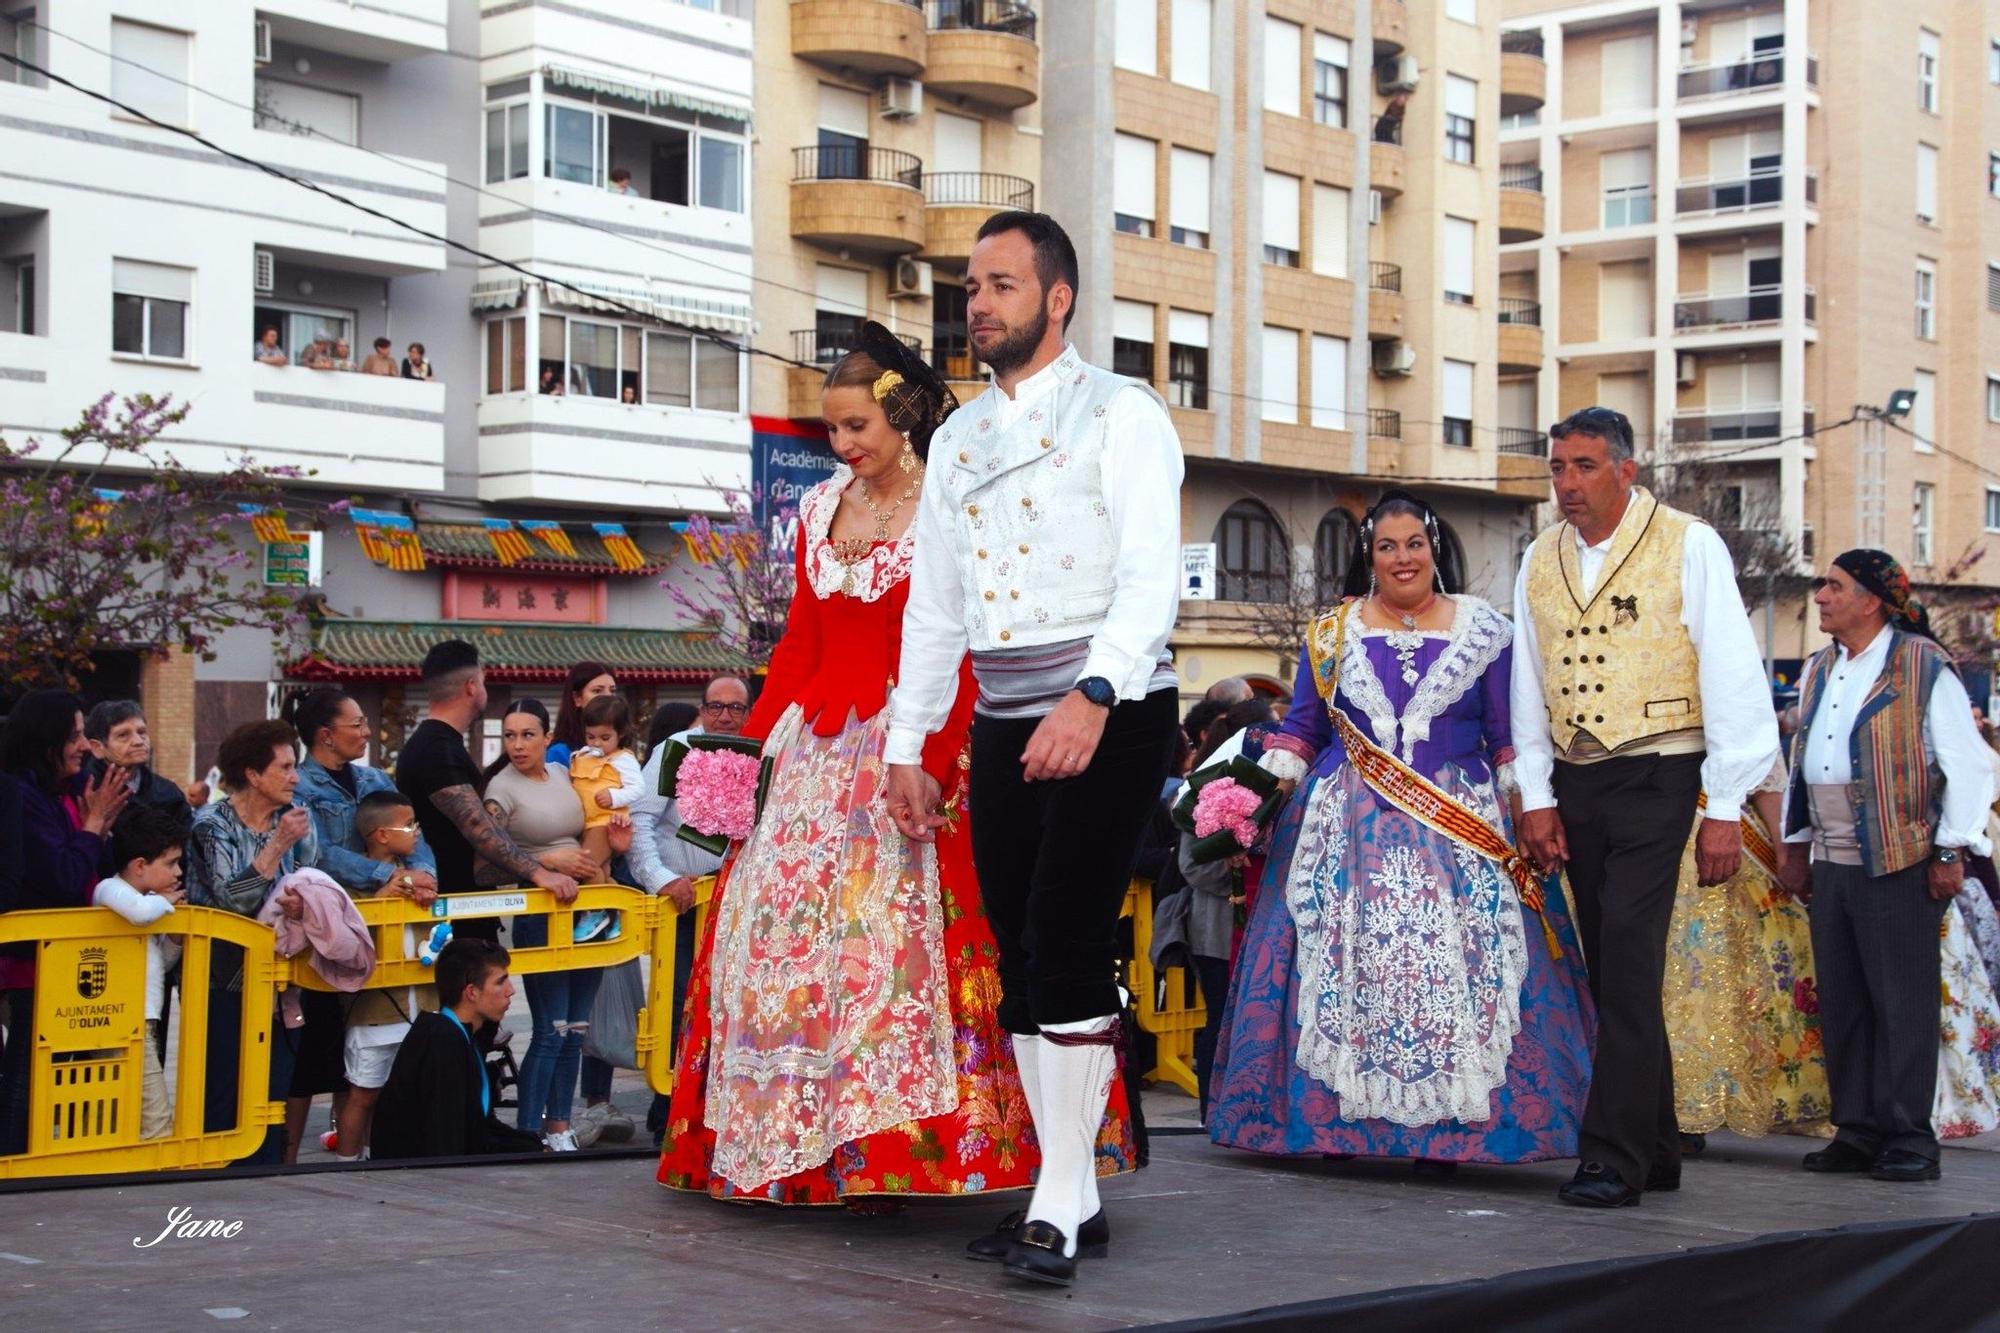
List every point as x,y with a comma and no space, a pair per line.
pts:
1392,998
841,1037
1968,1092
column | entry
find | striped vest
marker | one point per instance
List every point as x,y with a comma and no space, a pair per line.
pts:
1897,783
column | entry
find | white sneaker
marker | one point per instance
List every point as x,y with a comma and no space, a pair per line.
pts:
618,1127
588,1127
562,1142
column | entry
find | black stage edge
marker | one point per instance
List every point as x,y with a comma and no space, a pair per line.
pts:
1934,1275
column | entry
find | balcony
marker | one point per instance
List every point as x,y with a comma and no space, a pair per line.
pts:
1699,311
984,51
1747,424
353,429
1523,210
381,31
1387,168
1522,442
1385,300
1763,71
1520,340
957,204
1390,25
570,449
1524,75
1385,424
858,198
871,36
1744,192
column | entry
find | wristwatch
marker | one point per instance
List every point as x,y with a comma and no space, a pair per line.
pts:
1098,690
1945,856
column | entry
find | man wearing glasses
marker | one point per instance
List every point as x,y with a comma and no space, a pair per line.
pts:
1637,686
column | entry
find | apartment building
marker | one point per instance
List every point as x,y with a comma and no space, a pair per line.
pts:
1761,218
888,131
135,260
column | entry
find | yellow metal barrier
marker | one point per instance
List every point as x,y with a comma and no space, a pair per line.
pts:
1174,1022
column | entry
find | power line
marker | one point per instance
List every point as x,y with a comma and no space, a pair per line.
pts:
1895,424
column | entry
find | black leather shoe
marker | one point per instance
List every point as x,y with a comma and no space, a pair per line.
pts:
1662,1179
1838,1156
1903,1166
1037,1256
1693,1145
1597,1186
1093,1238
1425,1167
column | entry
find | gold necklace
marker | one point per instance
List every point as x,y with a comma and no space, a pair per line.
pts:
853,551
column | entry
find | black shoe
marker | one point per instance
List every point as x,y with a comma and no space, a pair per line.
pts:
1838,1156
1663,1179
1692,1145
1093,1238
1597,1186
1903,1166
1037,1256
1425,1167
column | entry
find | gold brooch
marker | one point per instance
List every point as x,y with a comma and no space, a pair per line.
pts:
886,381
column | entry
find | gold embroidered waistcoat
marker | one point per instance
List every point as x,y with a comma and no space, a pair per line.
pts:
1617,664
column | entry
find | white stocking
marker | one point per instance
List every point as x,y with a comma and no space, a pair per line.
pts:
1028,1059
1075,1082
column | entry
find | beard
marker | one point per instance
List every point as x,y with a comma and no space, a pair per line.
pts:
1018,347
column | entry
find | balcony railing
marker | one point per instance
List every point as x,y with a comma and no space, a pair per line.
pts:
857,162
1734,425
1385,423
1521,178
1523,44
1008,16
829,342
1753,73
1757,305
1385,277
1742,193
1520,310
1523,440
984,189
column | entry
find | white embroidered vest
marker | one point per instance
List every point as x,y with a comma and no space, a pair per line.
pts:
1037,550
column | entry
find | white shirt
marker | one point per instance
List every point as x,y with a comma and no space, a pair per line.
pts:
1738,725
1949,734
1140,474
143,909
659,855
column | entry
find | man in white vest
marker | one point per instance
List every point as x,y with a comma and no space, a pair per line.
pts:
1048,544
1637,686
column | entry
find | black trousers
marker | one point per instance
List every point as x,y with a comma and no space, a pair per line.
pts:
1055,858
1627,822
1875,947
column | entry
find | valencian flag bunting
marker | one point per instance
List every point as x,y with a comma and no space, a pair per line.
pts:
509,545
623,550
90,519
551,535
388,539
269,524
706,543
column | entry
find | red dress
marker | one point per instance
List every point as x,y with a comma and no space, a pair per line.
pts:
841,1016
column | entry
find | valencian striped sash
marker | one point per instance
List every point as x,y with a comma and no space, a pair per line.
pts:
1426,802
1756,839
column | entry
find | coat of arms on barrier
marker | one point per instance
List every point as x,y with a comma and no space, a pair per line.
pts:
93,973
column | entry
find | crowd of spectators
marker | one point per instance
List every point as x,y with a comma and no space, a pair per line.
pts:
335,354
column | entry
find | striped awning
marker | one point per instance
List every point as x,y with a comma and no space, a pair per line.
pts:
502,294
668,307
562,76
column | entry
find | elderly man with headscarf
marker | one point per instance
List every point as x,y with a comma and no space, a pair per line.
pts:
1890,785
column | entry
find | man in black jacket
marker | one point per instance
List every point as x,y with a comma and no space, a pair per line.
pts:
438,1101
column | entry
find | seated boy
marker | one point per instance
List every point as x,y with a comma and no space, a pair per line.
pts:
438,1102
146,848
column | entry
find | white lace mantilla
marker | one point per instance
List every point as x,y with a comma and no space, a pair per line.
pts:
869,578
1477,637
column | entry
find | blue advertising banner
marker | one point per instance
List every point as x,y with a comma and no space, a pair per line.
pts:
787,459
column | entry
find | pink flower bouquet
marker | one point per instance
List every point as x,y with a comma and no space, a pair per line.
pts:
1227,807
718,783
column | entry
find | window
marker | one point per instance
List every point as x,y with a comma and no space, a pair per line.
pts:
1281,219
299,327
21,273
573,144
506,142
1187,359
1333,552
1137,36
1459,236
593,359
1626,178
721,174
951,339
1188,41
669,369
1625,299
1927,70
718,376
1188,197
1132,339
507,354
1926,300
1254,563
1993,62
1330,56
1329,382
843,133
840,303
1462,11
1458,403
149,309
1992,398
1627,73
1330,218
295,108
1281,66
1280,398
1133,191
1923,413
1993,174
1993,286
1927,163
1461,104
1993,509
1922,523
149,70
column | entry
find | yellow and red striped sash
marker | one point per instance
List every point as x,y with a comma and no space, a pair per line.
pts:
1756,838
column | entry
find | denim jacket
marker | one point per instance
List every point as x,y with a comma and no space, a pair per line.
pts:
332,811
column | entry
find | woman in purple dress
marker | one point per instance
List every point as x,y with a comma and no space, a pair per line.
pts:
1393,996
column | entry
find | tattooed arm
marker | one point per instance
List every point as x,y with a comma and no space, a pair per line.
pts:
462,806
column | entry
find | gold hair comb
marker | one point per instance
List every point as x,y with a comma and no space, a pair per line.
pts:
888,380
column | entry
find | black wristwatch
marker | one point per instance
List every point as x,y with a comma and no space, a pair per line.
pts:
1945,856
1098,690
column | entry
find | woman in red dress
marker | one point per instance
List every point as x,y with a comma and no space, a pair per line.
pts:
841,1039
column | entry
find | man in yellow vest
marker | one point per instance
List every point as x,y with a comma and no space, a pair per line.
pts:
1637,685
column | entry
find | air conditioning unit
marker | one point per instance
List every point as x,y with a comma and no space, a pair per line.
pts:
1374,208
901,99
263,41
266,277
1394,357
1399,75
910,280
1685,369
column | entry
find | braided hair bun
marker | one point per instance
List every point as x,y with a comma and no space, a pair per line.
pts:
913,396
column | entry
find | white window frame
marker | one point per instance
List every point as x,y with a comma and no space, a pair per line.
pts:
1992,396
600,140
1462,11
1992,515
1271,406
134,82
1464,92
1328,407
1927,184
1129,147
1467,263
1137,37
146,303
700,139
1182,210
1926,300
1468,372
1923,416
1332,208
1923,524
1191,43
513,326
1283,88
1928,49
1335,53
619,368
1277,233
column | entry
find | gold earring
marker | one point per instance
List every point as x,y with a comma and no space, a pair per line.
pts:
908,459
